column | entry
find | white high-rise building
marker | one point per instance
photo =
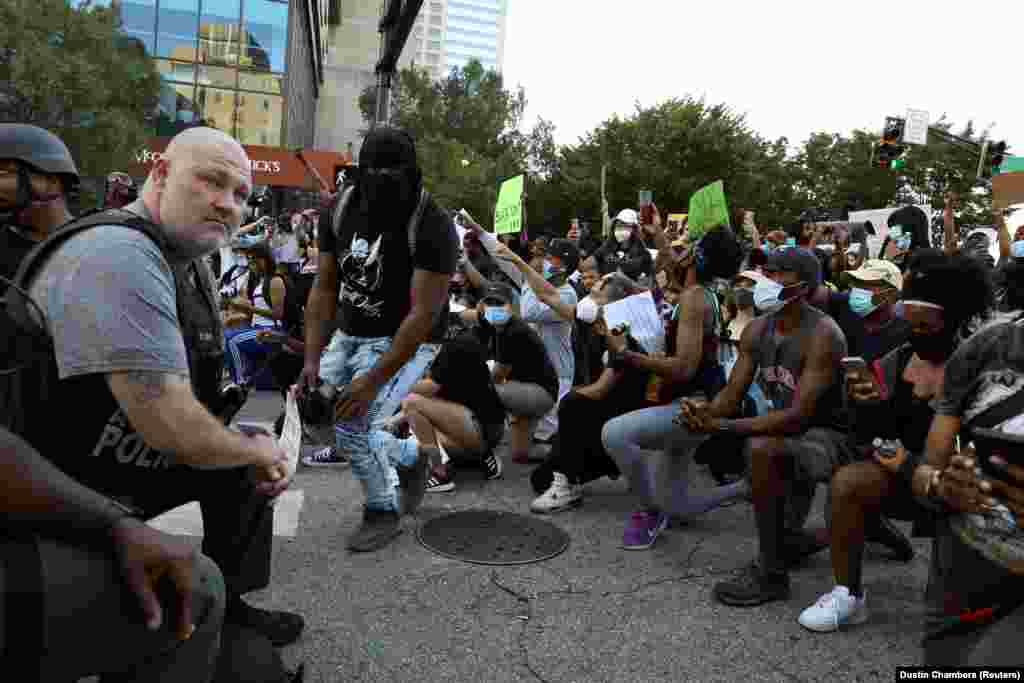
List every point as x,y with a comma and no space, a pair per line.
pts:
448,33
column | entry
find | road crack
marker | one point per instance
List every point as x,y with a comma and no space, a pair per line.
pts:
528,601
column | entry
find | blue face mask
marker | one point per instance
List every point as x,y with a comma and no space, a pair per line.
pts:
1017,249
901,239
496,315
861,301
790,241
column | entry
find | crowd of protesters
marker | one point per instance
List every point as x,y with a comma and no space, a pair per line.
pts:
784,358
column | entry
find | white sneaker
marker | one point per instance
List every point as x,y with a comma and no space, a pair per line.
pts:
561,495
833,610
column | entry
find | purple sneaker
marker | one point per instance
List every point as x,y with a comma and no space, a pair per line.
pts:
643,529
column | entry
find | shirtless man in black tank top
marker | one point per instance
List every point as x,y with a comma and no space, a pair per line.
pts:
797,349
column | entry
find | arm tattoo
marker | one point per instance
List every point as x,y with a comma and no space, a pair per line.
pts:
151,385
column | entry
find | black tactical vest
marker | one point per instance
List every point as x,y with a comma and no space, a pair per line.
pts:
198,315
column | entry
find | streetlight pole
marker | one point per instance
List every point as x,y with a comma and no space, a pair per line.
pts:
395,27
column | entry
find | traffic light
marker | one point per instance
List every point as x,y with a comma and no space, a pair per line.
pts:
992,156
997,153
889,152
892,134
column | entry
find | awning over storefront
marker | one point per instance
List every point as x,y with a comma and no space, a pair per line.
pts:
270,165
1007,189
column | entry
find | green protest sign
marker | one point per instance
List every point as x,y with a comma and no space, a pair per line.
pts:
707,209
508,213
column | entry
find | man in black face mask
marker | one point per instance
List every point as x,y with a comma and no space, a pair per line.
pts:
36,175
797,350
389,251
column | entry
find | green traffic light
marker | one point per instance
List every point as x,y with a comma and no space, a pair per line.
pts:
898,164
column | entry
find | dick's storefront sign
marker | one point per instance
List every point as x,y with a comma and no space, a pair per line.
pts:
270,165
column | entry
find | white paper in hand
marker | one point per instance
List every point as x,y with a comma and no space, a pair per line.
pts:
645,325
455,307
291,434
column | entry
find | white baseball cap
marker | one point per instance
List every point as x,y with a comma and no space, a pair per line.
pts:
628,216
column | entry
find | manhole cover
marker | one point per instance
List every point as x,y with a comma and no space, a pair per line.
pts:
490,537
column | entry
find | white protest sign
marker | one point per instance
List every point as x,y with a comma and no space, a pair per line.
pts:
645,325
291,434
915,131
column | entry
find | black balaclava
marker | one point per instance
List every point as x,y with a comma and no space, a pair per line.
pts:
389,199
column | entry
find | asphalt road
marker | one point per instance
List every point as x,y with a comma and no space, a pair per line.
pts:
594,613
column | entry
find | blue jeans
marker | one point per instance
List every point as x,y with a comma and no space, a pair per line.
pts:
375,453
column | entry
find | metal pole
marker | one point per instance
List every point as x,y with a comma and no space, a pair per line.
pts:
383,98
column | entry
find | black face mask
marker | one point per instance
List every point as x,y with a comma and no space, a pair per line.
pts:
934,348
744,298
386,196
23,199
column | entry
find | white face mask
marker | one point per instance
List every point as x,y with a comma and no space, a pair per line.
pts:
586,310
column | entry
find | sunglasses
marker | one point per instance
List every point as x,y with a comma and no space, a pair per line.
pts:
120,178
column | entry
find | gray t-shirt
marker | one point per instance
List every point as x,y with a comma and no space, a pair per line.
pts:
985,370
109,299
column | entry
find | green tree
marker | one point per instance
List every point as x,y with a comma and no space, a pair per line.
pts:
468,138
673,149
70,69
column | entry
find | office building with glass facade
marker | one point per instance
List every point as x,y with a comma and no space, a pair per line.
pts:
475,29
252,68
448,33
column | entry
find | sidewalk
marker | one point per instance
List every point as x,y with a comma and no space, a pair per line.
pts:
594,613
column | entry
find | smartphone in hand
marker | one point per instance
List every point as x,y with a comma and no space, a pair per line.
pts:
646,202
854,364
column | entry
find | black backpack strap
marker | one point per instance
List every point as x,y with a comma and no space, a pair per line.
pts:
339,214
414,222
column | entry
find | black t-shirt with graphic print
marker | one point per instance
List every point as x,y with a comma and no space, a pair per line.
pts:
375,267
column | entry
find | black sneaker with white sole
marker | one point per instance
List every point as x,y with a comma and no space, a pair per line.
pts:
492,466
440,480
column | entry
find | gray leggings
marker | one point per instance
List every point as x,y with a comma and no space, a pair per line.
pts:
523,399
94,625
656,454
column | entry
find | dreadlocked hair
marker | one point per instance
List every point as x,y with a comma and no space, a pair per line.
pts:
960,284
719,255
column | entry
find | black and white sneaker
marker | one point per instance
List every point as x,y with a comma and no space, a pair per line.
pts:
326,457
492,466
440,480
